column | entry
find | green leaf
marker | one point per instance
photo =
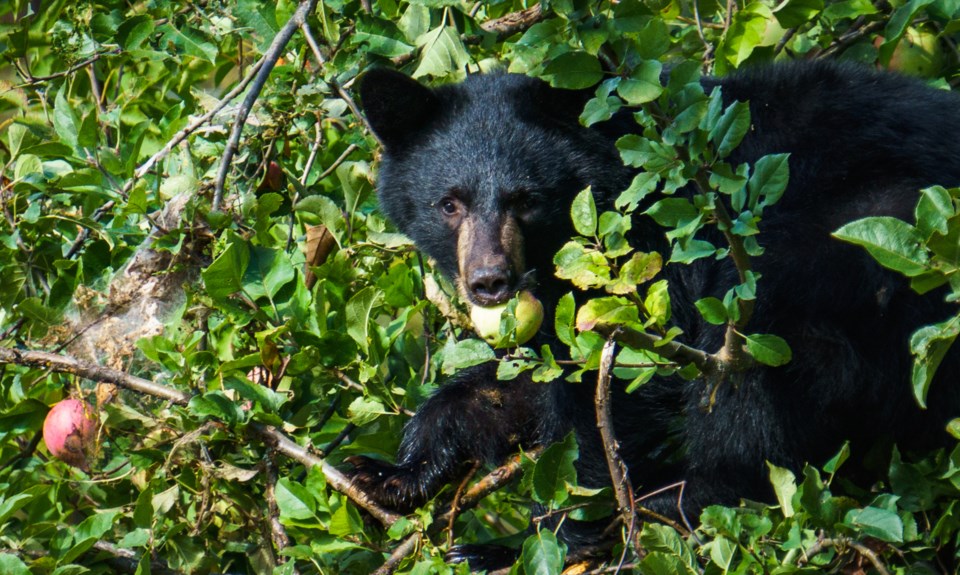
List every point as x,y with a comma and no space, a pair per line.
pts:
585,268
442,53
583,211
880,523
722,551
190,42
10,564
345,521
784,486
672,212
642,185
607,311
712,310
731,128
564,319
897,25
574,71
554,471
769,349
216,405
769,179
639,269
934,210
65,120
224,277
358,311
893,243
268,271
657,302
542,554
929,345
134,31
466,353
27,164
294,501
671,554
797,12
643,85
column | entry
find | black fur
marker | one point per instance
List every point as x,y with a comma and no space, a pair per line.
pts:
862,143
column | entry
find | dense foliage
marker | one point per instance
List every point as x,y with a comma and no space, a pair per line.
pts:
237,293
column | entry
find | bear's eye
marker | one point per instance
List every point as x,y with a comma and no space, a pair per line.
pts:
449,207
523,205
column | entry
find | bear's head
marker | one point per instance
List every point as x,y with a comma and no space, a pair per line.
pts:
481,174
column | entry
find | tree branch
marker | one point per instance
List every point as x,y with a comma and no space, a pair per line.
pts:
707,363
409,545
274,438
508,24
619,478
33,80
269,60
183,134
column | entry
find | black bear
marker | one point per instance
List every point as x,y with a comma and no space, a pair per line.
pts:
481,175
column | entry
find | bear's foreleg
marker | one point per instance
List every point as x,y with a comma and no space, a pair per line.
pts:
472,418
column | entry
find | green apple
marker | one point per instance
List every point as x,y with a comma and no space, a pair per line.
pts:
528,314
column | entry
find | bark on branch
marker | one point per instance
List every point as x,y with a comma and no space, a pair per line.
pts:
270,58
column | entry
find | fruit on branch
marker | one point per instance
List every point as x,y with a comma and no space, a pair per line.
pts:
528,315
70,431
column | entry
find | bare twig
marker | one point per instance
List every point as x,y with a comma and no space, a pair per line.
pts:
312,42
336,164
277,532
508,24
409,545
269,59
839,544
455,504
66,364
619,478
32,80
183,134
25,452
85,232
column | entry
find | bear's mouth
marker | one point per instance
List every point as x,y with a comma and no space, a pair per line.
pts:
523,282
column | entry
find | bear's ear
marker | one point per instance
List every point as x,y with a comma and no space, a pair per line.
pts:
396,106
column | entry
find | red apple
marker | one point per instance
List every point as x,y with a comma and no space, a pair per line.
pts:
70,431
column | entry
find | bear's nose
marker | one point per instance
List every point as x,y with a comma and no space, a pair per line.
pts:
490,285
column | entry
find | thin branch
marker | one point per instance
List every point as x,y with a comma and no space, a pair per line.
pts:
619,478
278,533
336,164
67,364
839,544
270,58
508,24
33,80
85,232
455,504
707,363
312,42
274,438
183,134
409,545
